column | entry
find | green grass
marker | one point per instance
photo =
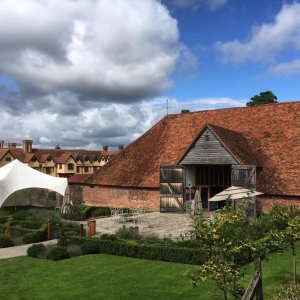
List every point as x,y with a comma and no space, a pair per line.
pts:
112,277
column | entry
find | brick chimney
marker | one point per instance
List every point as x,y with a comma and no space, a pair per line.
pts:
121,147
105,148
1,144
12,145
27,146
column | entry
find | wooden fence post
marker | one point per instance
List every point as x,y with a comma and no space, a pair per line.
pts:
81,229
259,287
49,229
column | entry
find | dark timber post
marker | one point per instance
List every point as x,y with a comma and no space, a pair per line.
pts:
49,229
259,287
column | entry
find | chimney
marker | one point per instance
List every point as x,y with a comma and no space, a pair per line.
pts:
27,146
11,145
1,144
121,147
105,148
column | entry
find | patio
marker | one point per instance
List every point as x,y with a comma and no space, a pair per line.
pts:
160,224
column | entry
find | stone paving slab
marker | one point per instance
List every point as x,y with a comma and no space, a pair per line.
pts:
160,224
20,250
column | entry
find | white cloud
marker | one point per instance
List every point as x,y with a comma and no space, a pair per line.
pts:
208,103
106,50
288,68
196,4
111,124
268,40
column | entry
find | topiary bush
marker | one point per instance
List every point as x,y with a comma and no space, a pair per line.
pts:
58,253
90,247
36,251
74,250
34,237
5,241
21,215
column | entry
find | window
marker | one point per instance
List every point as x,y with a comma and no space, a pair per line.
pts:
49,158
33,159
8,159
77,169
70,167
60,166
95,169
86,169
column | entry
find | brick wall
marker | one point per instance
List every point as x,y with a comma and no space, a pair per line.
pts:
265,204
121,197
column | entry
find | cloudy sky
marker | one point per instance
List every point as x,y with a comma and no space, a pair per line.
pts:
87,73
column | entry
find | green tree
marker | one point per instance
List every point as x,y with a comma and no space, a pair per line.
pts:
262,98
185,111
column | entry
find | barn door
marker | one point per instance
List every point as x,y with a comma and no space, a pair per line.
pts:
171,188
245,176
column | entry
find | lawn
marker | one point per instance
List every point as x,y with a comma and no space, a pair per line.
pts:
112,277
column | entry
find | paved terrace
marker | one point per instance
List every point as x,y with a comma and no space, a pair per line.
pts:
160,224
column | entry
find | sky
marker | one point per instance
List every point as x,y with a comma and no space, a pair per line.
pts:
88,73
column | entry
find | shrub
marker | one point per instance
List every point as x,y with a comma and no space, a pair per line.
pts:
291,292
108,237
90,247
28,224
3,219
74,250
58,253
5,241
128,235
36,251
34,237
100,212
154,252
21,215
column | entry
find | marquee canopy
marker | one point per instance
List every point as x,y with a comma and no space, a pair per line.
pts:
16,176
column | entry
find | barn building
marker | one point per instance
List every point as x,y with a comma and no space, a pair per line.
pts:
255,147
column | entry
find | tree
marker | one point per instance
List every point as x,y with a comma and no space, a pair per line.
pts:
185,111
262,98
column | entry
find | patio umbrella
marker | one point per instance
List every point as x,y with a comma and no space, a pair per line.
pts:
234,193
67,205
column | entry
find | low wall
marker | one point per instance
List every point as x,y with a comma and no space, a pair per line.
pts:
121,197
265,204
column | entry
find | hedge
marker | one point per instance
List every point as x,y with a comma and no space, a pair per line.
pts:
152,252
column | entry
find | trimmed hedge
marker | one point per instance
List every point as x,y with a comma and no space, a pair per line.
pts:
58,253
152,252
36,251
5,241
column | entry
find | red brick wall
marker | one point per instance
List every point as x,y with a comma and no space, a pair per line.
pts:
122,197
265,204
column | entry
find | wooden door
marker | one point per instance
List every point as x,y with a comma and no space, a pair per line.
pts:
243,176
171,188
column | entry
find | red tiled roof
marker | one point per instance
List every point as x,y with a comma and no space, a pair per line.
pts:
58,155
77,178
272,134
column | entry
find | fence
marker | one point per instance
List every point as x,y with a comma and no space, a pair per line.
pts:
255,288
